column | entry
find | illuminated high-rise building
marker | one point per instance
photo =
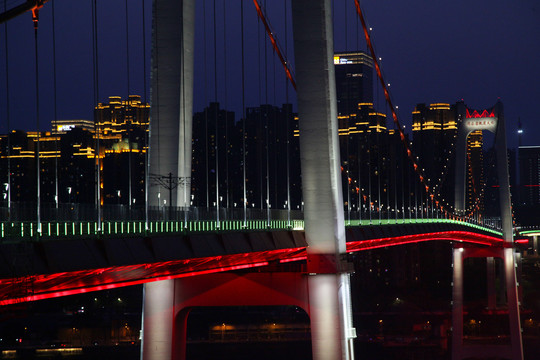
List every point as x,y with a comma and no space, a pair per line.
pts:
269,137
529,174
434,129
475,172
121,129
68,157
363,136
354,81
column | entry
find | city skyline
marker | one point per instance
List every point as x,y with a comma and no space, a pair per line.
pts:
435,57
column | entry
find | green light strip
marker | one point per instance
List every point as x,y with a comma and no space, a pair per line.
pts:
530,232
56,229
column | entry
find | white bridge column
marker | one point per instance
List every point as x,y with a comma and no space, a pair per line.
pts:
173,23
329,290
173,28
508,234
158,320
457,304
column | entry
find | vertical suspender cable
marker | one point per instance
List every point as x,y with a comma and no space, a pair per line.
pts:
8,152
259,123
359,191
226,105
55,105
370,154
379,205
146,137
216,118
97,129
128,117
348,177
206,110
396,157
410,191
287,115
186,181
243,110
274,139
155,120
267,123
417,202
35,19
402,165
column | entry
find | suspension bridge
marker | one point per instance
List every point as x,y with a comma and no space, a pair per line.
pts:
164,244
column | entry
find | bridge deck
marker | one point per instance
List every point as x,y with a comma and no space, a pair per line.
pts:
32,270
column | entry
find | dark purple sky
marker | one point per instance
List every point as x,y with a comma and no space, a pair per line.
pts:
432,51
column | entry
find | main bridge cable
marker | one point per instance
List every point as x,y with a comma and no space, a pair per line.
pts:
274,42
29,5
417,169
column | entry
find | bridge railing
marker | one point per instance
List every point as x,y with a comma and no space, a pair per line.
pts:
75,212
18,230
69,220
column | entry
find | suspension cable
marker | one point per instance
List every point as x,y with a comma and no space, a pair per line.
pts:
97,130
146,133
216,115
267,123
275,44
226,105
35,20
55,105
128,115
243,111
287,144
397,124
6,47
207,177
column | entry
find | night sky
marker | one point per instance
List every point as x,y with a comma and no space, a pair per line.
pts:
432,51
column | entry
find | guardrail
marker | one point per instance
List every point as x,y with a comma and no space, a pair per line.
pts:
50,230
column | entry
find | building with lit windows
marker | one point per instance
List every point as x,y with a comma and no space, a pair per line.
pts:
354,80
529,174
475,172
366,145
69,154
434,130
214,159
266,142
121,132
527,208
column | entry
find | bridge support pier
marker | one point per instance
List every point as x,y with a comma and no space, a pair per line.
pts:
491,293
167,304
460,351
331,331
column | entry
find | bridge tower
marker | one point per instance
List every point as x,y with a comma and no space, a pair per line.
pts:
170,153
173,29
492,120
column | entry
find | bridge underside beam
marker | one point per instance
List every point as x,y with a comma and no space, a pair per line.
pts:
61,270
460,351
167,304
